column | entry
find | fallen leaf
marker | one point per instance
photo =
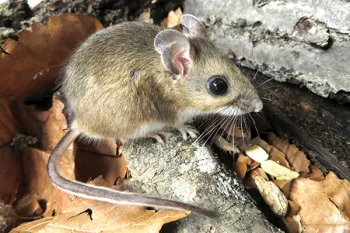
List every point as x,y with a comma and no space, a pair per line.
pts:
10,174
240,166
284,185
280,172
259,142
36,58
83,215
90,165
272,196
316,174
249,181
10,166
293,208
277,156
253,165
173,19
28,206
293,224
324,205
296,158
256,153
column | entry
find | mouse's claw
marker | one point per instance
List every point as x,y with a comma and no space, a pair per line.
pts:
161,136
187,129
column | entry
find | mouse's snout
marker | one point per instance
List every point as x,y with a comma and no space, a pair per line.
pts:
250,104
258,105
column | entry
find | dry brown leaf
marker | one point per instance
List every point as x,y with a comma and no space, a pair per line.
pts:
253,165
10,174
316,174
249,181
280,172
293,208
296,158
10,166
324,205
284,185
277,156
241,165
173,19
36,58
256,153
91,165
37,180
104,216
259,142
258,172
293,224
272,196
28,205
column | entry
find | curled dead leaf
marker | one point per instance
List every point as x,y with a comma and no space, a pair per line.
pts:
324,205
249,181
31,64
316,174
293,224
256,153
277,156
241,165
106,217
259,142
173,19
28,206
272,196
280,172
293,208
284,185
296,158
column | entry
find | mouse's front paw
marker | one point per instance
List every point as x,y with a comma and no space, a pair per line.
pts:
161,136
187,130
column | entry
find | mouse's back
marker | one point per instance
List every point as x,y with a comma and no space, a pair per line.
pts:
99,80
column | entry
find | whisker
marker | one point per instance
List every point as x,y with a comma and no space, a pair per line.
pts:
265,82
254,123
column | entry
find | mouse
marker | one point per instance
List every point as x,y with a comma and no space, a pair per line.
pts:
134,79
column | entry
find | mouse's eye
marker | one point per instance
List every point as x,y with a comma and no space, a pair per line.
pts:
217,85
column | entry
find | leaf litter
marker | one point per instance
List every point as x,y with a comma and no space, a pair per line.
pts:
295,190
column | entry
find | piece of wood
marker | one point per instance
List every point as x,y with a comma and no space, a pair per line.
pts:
190,172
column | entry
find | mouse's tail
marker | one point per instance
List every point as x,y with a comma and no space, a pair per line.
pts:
56,155
107,194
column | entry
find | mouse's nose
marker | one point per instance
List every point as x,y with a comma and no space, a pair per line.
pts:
258,105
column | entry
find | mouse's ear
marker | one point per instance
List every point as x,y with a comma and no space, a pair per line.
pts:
174,48
193,26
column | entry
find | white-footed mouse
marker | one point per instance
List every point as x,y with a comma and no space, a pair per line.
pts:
133,79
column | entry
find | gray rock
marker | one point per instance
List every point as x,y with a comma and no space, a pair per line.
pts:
299,41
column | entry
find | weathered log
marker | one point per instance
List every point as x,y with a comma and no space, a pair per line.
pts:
306,42
190,172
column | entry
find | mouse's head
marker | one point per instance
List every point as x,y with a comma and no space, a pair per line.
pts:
207,80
